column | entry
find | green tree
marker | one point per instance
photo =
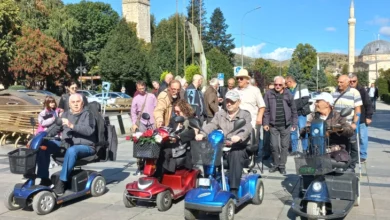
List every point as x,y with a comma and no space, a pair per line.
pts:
97,19
197,19
363,77
162,55
218,63
35,13
332,81
37,57
322,79
10,28
122,60
217,37
295,70
191,70
266,69
306,56
344,70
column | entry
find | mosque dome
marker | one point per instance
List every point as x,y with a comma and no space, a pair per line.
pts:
382,46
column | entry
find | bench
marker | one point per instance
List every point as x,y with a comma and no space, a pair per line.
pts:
122,102
16,124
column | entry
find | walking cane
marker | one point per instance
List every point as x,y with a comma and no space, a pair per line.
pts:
358,144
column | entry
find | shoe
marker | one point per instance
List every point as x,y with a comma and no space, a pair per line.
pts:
282,171
362,160
45,182
137,173
293,154
59,188
273,169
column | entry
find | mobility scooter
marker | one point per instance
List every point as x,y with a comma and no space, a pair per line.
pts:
213,192
172,186
327,191
42,198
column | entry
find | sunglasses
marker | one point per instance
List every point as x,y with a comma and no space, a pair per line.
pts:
240,78
353,81
278,85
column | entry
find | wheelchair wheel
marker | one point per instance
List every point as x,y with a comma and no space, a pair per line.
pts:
190,214
44,202
128,202
98,186
259,193
9,201
164,201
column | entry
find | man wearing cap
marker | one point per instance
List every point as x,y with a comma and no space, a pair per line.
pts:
251,98
324,111
280,118
224,120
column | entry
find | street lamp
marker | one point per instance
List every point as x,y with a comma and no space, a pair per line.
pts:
81,69
242,30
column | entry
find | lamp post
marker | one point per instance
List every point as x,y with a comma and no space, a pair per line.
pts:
242,30
81,69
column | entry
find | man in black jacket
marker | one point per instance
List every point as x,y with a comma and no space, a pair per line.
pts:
164,84
195,98
365,117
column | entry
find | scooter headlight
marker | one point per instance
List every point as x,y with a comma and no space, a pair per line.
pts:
317,186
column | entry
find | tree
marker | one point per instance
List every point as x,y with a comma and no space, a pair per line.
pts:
217,37
191,70
344,70
332,81
363,78
218,63
198,17
322,79
295,70
97,19
38,57
162,55
10,28
306,56
122,60
266,69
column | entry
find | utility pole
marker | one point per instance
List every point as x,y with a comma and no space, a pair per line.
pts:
192,17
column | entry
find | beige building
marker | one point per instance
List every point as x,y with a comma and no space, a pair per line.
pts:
374,56
138,11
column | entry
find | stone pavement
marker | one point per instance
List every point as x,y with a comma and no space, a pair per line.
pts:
375,187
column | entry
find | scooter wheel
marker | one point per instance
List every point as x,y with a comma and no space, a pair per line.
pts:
129,203
164,201
228,211
98,186
190,214
44,202
259,193
9,201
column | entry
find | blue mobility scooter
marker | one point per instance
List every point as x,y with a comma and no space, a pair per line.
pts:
42,198
212,194
327,191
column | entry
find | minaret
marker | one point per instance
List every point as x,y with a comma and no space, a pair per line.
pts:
138,11
351,38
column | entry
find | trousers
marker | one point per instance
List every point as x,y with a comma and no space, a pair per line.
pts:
72,154
280,154
236,160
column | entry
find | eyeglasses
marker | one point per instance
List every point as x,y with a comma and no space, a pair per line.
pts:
240,78
278,84
353,81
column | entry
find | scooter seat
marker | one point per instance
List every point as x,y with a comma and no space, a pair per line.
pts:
180,161
79,162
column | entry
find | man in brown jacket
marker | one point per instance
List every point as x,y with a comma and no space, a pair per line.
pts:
165,102
211,99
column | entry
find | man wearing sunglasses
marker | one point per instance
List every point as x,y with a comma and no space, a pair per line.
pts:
365,117
64,101
280,118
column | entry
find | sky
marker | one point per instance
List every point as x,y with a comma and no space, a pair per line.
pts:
274,30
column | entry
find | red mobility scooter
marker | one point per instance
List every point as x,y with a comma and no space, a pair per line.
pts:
168,187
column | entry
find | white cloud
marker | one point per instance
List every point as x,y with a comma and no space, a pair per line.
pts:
330,29
281,53
379,21
385,30
251,51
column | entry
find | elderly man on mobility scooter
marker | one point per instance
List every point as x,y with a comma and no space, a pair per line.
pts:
232,131
327,191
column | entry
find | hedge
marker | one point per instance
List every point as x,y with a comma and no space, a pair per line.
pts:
386,98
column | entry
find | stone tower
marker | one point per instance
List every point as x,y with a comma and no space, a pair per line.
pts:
351,38
138,11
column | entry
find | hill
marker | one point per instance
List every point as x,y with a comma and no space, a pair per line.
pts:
331,60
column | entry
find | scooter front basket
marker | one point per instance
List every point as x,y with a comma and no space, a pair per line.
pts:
22,161
204,153
313,165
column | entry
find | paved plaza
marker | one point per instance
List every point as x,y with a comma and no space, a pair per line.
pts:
375,187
